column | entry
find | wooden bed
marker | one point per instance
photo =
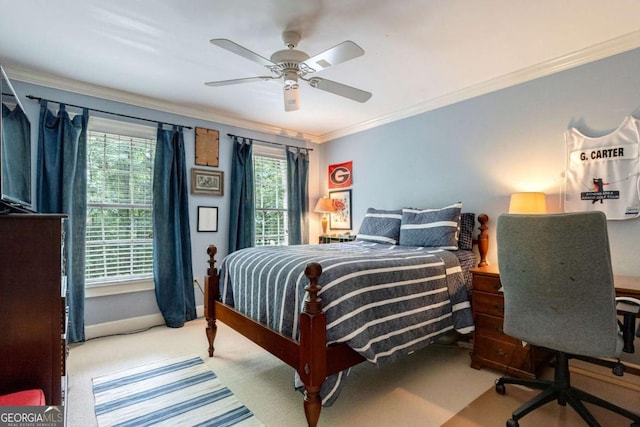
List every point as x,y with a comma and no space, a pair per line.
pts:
310,356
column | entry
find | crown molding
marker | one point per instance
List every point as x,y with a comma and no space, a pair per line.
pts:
580,57
28,75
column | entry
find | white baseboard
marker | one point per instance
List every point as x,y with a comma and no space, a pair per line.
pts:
129,325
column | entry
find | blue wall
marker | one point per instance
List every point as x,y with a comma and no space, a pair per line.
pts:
481,150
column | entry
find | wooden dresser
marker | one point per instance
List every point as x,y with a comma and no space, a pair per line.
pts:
491,347
32,302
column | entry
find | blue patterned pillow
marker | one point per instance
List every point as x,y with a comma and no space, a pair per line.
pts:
467,222
380,226
431,227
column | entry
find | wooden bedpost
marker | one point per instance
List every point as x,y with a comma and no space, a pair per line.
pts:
483,239
313,343
211,293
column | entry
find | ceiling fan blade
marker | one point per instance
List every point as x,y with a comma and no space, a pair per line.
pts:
336,55
340,89
242,51
236,81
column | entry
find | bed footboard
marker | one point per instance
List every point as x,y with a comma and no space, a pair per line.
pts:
313,345
310,356
211,293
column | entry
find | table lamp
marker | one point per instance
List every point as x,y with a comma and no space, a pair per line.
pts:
325,205
528,203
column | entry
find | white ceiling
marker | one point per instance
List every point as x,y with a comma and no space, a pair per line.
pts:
419,54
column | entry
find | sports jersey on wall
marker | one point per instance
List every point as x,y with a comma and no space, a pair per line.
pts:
603,172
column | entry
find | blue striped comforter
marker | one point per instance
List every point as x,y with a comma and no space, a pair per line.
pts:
384,301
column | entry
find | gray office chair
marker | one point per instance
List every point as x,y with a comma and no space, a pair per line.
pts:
558,287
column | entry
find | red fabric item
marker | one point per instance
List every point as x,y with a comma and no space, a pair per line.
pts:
23,398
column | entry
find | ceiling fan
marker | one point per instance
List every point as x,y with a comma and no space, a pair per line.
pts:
291,64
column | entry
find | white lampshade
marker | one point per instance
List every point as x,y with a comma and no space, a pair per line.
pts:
528,203
325,204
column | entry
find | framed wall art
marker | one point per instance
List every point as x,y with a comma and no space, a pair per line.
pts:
207,218
207,182
207,147
341,220
341,175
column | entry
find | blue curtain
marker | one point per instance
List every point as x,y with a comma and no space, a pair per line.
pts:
241,214
172,266
298,195
62,188
16,145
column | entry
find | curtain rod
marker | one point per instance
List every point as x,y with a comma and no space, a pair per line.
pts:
36,98
270,142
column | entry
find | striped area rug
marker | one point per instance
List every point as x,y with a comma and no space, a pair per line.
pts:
175,392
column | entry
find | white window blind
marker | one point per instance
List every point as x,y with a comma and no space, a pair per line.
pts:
119,243
270,175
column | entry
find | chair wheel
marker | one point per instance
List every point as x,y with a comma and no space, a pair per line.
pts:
618,369
512,423
501,389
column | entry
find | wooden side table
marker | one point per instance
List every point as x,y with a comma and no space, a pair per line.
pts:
326,238
491,347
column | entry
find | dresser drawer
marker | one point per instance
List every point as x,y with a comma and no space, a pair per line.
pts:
491,327
507,354
489,284
492,304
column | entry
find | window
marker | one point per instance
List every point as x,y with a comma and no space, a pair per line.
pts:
119,243
270,174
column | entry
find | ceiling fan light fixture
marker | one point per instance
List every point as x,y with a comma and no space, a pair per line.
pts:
290,65
291,97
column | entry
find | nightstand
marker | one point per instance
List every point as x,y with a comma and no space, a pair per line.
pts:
491,347
327,238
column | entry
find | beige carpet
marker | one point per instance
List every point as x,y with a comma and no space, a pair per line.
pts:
425,389
492,409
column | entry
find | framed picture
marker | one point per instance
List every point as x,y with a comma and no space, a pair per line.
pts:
341,220
341,175
207,146
207,218
207,182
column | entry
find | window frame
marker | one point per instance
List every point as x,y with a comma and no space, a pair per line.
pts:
278,153
131,283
